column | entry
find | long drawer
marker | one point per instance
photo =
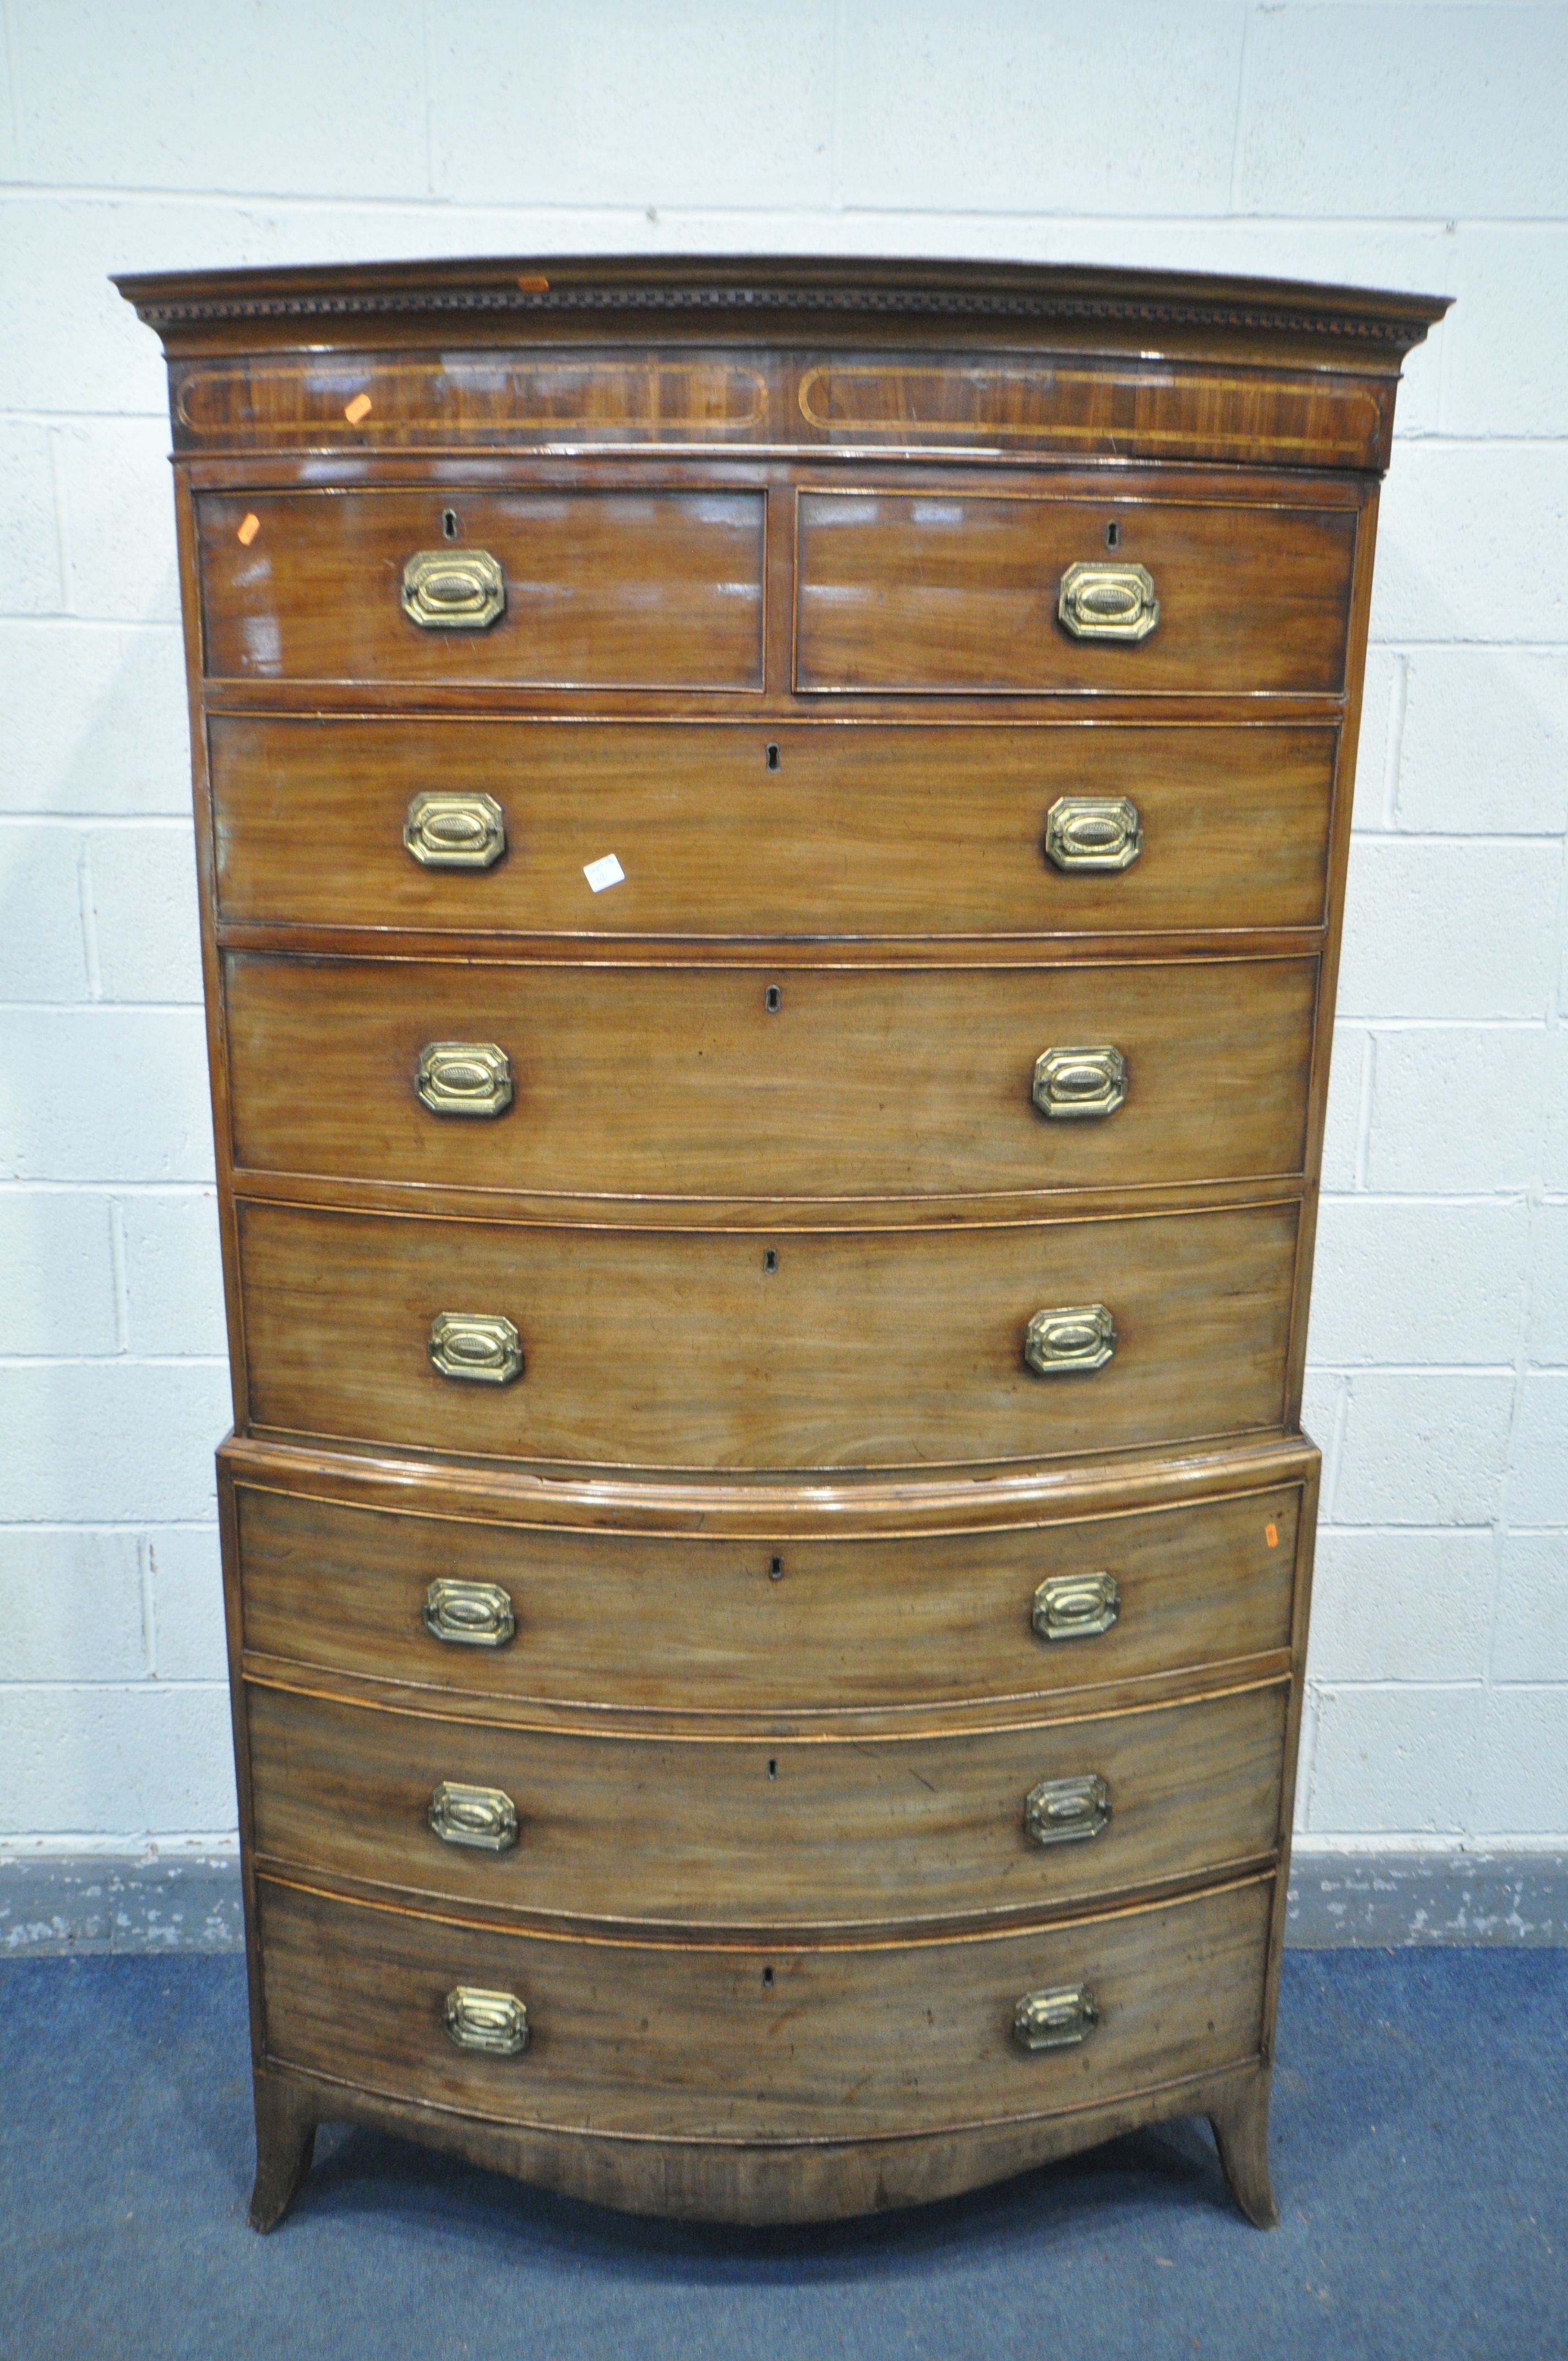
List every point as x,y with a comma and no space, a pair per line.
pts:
771,829
705,2040
748,1081
694,1621
964,592
815,1349
805,1832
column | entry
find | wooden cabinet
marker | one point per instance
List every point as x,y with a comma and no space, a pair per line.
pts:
771,840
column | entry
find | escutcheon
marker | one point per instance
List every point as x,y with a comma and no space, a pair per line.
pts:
1075,1606
1108,602
1059,2019
452,831
495,2023
1093,834
482,1817
1067,1811
1074,1085
469,1614
1078,1337
454,589
470,1078
482,1347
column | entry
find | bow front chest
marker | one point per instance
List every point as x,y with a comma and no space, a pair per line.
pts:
771,838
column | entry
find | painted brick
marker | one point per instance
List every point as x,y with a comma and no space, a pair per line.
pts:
1423,1449
1537,1483
1455,1108
1322,1394
1341,1128
1403,1283
1507,337
1546,1337
289,98
93,719
41,913
1554,1150
1394,1761
70,1606
30,578
187,1605
1454,930
57,1273
1521,1772
1421,1601
119,521
141,890
605,104
110,1441
1484,742
174,1301
115,1090
1084,112
1383,683
1529,1637
151,1760
1455,520
1404,110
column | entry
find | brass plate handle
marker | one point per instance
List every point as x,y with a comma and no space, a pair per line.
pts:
482,1817
1108,602
1070,1085
1075,1606
469,1614
495,2023
1067,1811
1059,2019
454,589
481,1346
464,1078
1093,834
445,830
1078,1336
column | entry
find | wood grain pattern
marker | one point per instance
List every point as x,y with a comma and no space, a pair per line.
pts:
867,1350
655,588
861,830
694,2041
712,1623
956,592
663,1082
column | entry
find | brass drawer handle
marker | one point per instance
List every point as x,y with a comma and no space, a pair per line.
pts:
1093,834
1078,1336
469,1614
483,1818
1075,1606
464,1078
454,589
455,831
1067,1811
481,1346
495,2023
1059,2019
1108,602
1073,1083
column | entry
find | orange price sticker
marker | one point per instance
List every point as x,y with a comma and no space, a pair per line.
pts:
1271,1535
357,409
249,527
534,286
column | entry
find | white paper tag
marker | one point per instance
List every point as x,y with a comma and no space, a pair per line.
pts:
600,874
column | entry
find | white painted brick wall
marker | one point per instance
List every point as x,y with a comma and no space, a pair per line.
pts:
1409,145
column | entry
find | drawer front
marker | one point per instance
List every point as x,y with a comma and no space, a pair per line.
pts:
655,590
857,831
770,1831
726,1082
683,1622
872,1348
703,2041
960,592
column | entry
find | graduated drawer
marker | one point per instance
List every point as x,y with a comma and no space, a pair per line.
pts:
843,828
684,1620
699,1348
768,1831
961,592
602,589
700,2040
751,1081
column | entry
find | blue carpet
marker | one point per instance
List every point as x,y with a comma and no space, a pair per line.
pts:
1420,2161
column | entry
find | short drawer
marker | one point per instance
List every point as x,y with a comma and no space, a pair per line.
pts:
808,1832
841,829
856,1348
594,589
965,593
660,1081
670,1621
705,2040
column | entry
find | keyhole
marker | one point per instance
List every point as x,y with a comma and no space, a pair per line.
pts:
775,1569
770,1258
772,758
1112,534
773,1766
768,1979
449,524
773,1000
